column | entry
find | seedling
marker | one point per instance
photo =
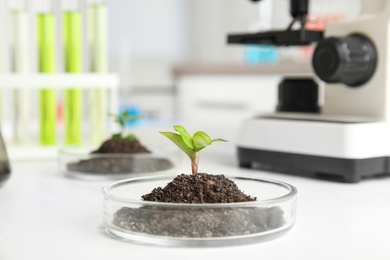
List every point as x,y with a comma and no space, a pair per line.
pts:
122,119
191,145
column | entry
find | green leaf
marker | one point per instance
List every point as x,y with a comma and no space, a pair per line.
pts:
124,114
178,140
120,121
185,135
116,136
131,137
123,117
201,140
219,140
130,118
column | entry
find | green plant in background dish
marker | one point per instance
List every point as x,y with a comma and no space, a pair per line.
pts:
191,145
122,119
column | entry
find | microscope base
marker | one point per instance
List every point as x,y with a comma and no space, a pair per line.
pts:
316,146
347,170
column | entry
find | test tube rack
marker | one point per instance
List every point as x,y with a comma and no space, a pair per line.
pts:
59,81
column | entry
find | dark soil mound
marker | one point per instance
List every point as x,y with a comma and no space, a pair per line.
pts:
198,188
122,146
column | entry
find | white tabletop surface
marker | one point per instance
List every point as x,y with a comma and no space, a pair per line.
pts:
44,215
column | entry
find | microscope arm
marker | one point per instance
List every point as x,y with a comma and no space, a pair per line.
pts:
289,37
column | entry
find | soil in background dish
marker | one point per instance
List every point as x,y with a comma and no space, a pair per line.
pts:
195,221
121,146
107,164
120,165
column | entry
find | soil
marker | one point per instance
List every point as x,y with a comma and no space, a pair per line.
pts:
195,221
122,146
107,164
118,165
199,222
198,188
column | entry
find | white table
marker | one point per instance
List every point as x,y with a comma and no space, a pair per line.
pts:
44,215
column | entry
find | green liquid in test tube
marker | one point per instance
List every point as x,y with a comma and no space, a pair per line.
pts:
73,64
47,64
97,45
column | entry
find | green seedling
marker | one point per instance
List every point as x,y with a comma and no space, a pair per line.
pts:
122,119
191,145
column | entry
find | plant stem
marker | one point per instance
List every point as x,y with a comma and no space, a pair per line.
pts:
194,163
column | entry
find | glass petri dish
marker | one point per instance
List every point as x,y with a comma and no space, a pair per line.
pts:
80,163
127,217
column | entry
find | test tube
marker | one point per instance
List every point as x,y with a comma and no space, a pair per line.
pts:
72,42
3,33
46,38
97,46
19,44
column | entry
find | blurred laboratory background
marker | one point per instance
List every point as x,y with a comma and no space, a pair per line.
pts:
167,61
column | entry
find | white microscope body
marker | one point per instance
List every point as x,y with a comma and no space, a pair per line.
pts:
350,137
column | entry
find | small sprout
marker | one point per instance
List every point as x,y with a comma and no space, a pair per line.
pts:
116,136
122,119
130,137
191,145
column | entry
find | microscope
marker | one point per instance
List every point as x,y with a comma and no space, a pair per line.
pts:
348,137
